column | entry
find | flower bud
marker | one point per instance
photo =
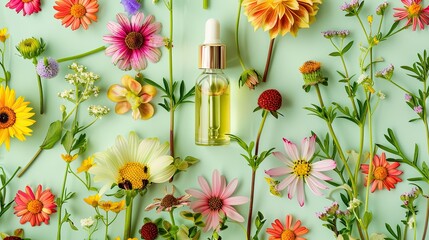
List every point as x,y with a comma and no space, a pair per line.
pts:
311,73
251,78
31,48
270,100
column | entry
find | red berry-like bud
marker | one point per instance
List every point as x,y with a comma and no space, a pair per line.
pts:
270,100
149,231
12,238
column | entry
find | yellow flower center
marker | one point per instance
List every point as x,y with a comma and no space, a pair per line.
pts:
34,206
414,9
215,203
380,173
134,100
288,235
78,10
301,168
26,1
7,117
134,40
133,176
310,67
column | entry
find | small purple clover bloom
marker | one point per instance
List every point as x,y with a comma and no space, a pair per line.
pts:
386,73
381,8
47,68
350,7
131,6
332,33
418,109
407,97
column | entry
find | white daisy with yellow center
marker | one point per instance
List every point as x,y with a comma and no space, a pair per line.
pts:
133,164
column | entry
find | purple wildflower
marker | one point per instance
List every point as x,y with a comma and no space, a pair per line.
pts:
418,109
47,68
407,97
329,34
350,7
131,6
386,73
381,8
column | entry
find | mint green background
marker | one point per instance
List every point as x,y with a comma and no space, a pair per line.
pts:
296,124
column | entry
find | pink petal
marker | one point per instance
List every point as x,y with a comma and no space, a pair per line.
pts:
229,190
286,182
300,189
216,183
280,156
324,165
291,149
278,171
308,147
204,186
292,187
232,213
320,175
312,184
237,200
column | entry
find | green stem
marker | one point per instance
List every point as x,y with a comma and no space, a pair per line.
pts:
205,4
80,179
81,55
106,231
371,156
361,141
173,222
400,87
268,62
10,179
170,66
128,218
338,146
31,162
363,27
61,201
254,168
237,42
39,83
415,226
426,220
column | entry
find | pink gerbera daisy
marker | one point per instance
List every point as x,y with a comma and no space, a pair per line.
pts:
133,41
28,7
35,208
300,169
216,202
76,13
384,174
414,13
287,231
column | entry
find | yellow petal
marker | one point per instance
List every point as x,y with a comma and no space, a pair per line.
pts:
146,111
117,93
122,107
131,84
149,89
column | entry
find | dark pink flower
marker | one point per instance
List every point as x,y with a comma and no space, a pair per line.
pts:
28,7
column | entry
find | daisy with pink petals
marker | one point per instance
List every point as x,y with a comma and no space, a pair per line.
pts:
414,12
35,207
216,201
27,7
134,41
300,168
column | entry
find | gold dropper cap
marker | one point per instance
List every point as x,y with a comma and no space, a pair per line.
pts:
212,54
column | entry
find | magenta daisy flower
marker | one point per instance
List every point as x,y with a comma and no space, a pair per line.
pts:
414,12
300,169
27,7
134,41
216,201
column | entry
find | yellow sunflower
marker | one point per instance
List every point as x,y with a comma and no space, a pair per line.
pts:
15,117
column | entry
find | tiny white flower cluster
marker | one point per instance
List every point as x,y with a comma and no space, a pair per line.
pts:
83,81
98,111
353,204
87,222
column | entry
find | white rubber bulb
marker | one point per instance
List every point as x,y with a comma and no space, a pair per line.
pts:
212,32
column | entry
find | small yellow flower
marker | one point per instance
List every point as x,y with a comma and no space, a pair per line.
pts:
3,35
93,200
86,164
118,206
118,238
69,158
370,19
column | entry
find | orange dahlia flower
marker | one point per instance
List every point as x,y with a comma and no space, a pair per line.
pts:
281,16
76,12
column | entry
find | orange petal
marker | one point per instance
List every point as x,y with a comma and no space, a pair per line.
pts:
117,93
149,89
131,84
122,107
146,111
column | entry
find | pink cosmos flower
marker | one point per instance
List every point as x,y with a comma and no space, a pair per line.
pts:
413,12
300,168
133,41
28,7
216,201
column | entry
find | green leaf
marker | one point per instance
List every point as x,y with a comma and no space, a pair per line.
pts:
335,54
80,142
347,47
53,135
367,218
187,215
67,141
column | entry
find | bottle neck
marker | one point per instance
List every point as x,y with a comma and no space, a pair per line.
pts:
212,70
